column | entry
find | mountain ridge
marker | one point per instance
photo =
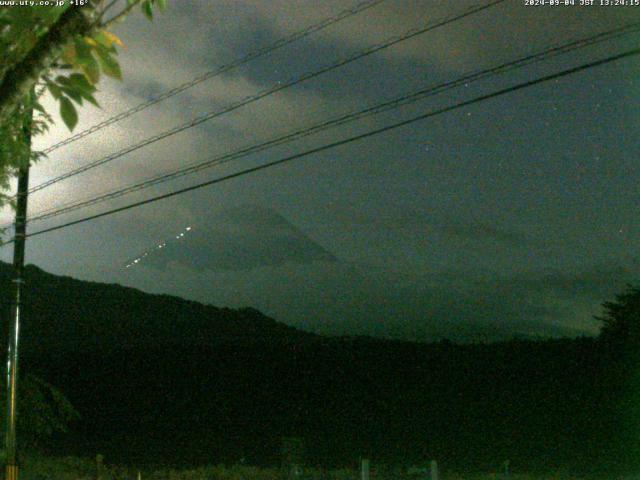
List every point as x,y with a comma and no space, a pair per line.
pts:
73,313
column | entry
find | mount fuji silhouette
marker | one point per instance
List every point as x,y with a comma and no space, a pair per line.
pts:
241,238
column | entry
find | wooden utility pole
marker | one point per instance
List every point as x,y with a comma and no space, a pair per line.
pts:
11,471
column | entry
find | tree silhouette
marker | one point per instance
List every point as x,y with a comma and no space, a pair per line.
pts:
44,411
621,319
620,336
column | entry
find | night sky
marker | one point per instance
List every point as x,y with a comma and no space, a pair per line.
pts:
515,216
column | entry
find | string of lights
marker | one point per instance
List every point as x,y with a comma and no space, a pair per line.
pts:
371,133
360,7
158,247
279,86
412,97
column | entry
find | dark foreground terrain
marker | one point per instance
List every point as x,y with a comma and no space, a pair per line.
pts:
163,381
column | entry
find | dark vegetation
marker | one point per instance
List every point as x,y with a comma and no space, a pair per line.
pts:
162,381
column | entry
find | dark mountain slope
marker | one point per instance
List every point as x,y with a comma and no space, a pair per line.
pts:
158,379
64,313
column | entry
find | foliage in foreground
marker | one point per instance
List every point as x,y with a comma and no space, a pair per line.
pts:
59,49
44,411
72,468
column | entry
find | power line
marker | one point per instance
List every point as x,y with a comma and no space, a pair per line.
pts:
343,119
328,146
264,93
360,7
269,91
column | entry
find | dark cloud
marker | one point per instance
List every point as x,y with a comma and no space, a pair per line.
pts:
598,282
480,232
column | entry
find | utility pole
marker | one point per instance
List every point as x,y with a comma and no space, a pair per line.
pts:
11,471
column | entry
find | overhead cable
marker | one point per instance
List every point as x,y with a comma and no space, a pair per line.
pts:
424,116
279,86
412,97
360,7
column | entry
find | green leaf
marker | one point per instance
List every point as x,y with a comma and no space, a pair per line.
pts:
107,39
69,54
91,70
102,39
88,97
61,80
55,90
147,9
73,94
68,113
83,51
162,5
38,106
86,61
80,82
77,87
109,65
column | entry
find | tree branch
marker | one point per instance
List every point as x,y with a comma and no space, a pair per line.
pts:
120,16
19,79
107,7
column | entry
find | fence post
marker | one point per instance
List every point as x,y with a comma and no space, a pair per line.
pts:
434,470
99,460
364,469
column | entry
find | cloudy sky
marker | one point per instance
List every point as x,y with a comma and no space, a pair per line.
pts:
514,216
